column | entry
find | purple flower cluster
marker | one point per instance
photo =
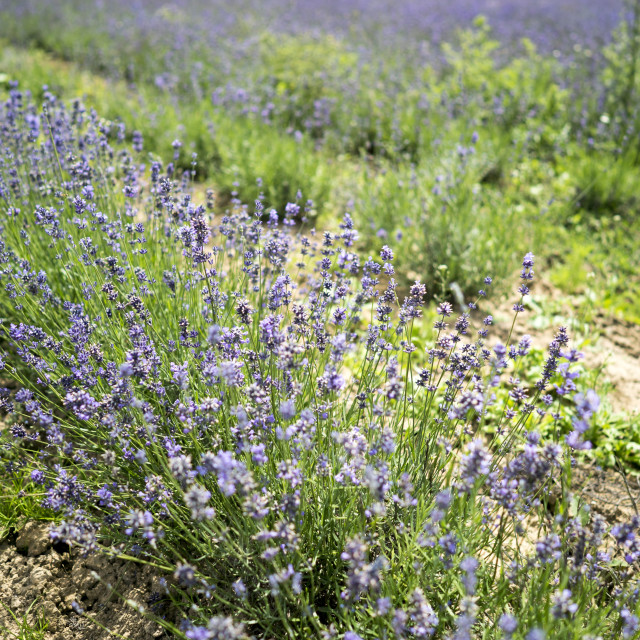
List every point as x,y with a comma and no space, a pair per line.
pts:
363,577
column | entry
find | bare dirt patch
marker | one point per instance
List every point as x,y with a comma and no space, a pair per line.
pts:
618,350
42,581
610,493
608,343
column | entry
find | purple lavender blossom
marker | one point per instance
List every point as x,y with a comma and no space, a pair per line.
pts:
185,574
362,576
631,623
508,624
563,606
197,498
474,465
180,374
81,403
423,618
469,566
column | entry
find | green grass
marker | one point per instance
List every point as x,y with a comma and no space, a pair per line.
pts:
19,502
32,625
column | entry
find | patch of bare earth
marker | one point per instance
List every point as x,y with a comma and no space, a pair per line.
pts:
608,343
618,350
610,493
43,580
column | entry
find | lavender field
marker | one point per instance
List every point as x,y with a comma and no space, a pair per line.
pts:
319,320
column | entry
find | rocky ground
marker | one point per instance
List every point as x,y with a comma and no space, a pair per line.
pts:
43,581
611,493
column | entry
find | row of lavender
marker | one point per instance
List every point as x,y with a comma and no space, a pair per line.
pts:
245,408
358,74
551,25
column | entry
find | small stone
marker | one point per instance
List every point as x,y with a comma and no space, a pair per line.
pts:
88,582
96,562
34,538
40,577
50,611
6,552
52,561
55,595
49,608
68,599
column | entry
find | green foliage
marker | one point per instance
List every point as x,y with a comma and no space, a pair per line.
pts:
31,626
621,77
450,225
19,502
616,438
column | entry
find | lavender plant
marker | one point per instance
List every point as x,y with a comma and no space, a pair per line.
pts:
242,406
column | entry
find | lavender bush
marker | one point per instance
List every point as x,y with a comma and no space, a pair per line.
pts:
243,406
